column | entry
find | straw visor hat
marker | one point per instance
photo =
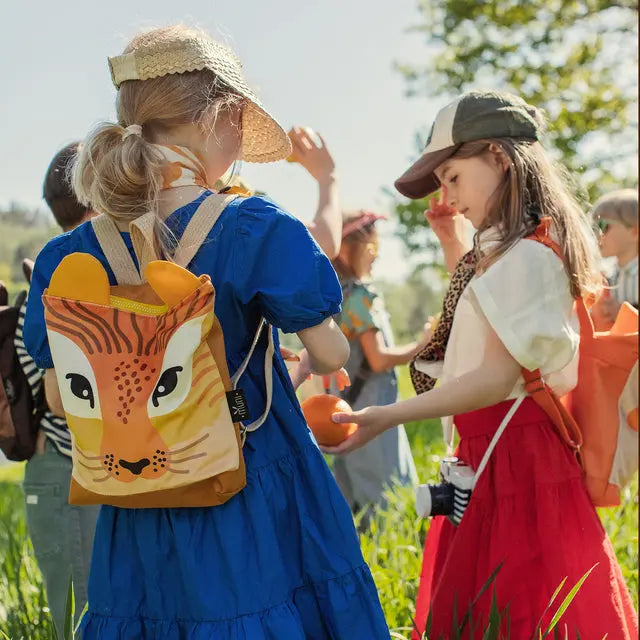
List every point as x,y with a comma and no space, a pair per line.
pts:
179,50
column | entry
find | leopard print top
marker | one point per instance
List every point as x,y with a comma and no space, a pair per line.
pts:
435,349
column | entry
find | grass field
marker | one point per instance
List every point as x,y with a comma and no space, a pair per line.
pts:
392,547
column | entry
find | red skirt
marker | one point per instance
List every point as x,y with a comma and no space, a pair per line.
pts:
531,512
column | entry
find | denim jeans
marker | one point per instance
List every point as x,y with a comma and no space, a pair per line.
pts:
61,534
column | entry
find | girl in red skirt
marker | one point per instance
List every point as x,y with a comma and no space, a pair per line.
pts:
510,306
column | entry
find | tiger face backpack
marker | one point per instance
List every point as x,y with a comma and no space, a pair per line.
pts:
153,412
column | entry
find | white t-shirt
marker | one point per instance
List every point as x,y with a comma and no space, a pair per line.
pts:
525,298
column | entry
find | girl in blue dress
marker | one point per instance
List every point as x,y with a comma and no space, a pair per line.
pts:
280,560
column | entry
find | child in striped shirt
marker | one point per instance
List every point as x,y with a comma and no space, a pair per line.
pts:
61,534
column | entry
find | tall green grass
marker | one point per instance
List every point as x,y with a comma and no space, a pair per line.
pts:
23,607
392,546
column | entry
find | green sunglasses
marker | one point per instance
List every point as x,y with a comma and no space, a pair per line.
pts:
603,225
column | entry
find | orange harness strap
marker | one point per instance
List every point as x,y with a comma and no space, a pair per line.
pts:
535,386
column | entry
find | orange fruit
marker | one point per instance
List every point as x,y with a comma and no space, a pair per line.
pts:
318,411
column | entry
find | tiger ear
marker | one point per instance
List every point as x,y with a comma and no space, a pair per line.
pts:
81,277
170,281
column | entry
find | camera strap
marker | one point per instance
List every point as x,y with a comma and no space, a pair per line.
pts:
496,437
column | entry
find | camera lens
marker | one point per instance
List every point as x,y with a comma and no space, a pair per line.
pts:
434,500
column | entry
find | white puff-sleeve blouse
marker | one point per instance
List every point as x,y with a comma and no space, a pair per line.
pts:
525,298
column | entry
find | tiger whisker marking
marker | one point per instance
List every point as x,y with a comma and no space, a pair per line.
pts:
177,470
86,466
82,453
188,446
197,455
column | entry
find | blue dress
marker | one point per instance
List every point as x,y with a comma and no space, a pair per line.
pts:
281,559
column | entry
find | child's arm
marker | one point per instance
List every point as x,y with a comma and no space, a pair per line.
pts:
301,371
326,346
326,227
490,383
381,357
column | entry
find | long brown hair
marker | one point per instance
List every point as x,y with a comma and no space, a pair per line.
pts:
532,188
122,176
356,243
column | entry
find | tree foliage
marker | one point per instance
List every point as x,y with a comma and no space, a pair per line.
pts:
23,232
578,60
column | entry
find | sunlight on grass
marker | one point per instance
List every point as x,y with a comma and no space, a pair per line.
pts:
392,546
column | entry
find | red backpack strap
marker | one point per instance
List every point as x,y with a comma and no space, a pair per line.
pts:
535,386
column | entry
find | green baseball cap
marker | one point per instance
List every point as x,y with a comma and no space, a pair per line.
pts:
473,116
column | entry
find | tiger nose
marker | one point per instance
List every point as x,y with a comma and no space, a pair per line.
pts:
135,467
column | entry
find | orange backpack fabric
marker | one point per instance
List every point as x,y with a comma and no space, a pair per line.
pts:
599,418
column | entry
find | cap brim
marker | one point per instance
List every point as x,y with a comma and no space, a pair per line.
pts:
419,180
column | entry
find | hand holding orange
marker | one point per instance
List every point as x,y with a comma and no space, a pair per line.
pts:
318,411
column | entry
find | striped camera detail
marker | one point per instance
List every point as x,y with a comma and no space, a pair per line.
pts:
461,499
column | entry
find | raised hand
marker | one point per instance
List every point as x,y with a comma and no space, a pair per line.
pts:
313,156
449,226
445,221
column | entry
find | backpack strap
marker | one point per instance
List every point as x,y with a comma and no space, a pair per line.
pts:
547,399
496,437
115,250
194,235
143,238
268,376
535,386
142,231
201,223
196,232
543,236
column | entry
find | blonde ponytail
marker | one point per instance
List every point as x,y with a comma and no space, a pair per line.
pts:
118,174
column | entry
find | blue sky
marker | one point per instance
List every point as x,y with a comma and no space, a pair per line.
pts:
328,65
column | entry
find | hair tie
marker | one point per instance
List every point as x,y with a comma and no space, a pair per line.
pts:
132,130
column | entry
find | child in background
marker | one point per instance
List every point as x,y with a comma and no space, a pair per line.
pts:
512,303
280,559
364,474
616,214
61,533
